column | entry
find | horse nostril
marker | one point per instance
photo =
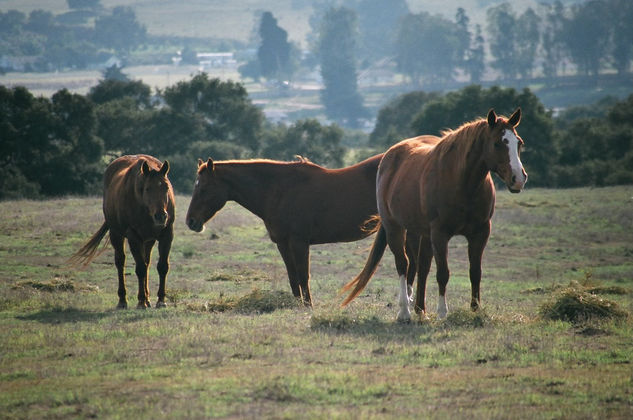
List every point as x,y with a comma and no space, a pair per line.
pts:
514,179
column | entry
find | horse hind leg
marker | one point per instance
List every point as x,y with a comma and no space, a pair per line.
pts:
300,252
396,241
424,266
476,244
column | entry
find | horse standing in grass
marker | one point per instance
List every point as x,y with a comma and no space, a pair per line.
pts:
138,204
436,191
300,203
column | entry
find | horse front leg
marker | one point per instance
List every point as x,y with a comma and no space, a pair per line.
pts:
164,246
412,249
476,244
138,252
439,241
118,243
286,255
300,253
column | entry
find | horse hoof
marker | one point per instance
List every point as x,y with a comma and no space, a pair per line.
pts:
160,304
141,305
404,318
424,318
122,305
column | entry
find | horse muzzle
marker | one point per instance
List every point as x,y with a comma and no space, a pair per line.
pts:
195,225
160,218
517,183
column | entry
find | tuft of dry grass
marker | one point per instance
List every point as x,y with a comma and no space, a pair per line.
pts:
577,305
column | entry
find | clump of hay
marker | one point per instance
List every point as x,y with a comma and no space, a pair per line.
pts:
577,305
263,301
57,284
467,318
257,301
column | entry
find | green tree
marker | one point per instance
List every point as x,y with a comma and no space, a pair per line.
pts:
586,35
49,146
551,42
428,48
502,34
336,48
223,107
378,24
621,12
120,30
394,121
527,44
273,53
306,138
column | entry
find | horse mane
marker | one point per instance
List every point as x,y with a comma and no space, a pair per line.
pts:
301,161
457,143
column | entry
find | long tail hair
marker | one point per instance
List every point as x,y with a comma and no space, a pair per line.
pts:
89,251
375,255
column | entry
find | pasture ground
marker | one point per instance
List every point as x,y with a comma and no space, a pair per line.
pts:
65,352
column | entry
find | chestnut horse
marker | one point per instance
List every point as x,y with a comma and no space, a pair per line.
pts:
138,204
434,192
300,203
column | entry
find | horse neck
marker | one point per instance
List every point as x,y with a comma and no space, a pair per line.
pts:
249,184
465,149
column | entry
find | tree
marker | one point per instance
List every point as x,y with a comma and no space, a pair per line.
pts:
336,49
586,35
527,44
49,146
502,35
378,24
551,42
475,65
306,138
394,119
273,53
84,4
120,30
428,47
621,12
224,108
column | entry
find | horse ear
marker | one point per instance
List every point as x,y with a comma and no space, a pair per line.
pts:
492,118
144,168
515,118
164,170
210,165
200,162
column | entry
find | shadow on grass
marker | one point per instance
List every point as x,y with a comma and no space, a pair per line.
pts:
344,324
58,315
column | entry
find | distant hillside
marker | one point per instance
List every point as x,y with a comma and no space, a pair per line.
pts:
237,19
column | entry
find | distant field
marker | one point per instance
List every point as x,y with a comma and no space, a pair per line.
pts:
67,353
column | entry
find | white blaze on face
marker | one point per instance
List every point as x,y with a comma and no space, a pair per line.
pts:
512,141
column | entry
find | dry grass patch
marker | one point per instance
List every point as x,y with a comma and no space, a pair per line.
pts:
577,305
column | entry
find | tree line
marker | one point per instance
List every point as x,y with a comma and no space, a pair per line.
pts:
61,145
352,36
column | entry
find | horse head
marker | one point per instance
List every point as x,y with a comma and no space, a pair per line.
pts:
153,192
503,154
209,196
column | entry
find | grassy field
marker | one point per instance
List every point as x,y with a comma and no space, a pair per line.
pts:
231,343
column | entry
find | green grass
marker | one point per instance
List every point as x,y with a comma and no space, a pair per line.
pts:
233,342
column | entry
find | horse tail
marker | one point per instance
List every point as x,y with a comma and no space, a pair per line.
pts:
89,251
377,250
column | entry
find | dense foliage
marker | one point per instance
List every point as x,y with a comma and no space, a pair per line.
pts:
589,145
61,145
